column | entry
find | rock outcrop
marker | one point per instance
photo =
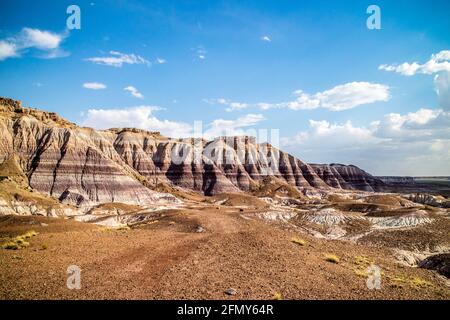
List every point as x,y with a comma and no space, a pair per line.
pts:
347,177
82,166
439,262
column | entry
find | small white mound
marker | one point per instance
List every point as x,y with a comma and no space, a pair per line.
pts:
327,216
283,216
407,221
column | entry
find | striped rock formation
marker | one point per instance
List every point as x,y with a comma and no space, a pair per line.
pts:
83,166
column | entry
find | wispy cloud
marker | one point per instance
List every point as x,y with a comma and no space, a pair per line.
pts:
161,61
48,43
266,38
118,59
438,62
341,97
231,106
94,85
200,52
442,85
134,92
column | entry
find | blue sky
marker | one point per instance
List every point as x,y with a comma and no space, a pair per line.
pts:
191,60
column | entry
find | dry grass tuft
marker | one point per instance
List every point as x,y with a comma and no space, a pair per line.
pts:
332,258
298,241
19,241
277,296
399,281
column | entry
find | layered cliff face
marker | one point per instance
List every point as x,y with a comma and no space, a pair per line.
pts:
226,164
75,165
347,177
83,166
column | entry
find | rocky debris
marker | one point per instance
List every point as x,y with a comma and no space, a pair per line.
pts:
439,263
231,291
335,232
200,229
406,221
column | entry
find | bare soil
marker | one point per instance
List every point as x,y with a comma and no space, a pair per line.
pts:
168,259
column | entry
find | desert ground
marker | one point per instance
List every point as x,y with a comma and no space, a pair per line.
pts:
203,250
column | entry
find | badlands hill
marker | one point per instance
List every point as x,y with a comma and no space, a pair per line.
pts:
82,166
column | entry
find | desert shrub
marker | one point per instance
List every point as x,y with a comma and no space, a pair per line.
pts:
332,258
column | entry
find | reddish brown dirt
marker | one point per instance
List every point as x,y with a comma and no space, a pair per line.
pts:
167,259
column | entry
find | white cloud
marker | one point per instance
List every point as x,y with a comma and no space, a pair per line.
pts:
266,38
239,126
28,38
136,117
341,97
117,59
7,50
134,92
416,143
160,61
43,40
438,62
442,86
420,125
327,136
142,117
94,85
